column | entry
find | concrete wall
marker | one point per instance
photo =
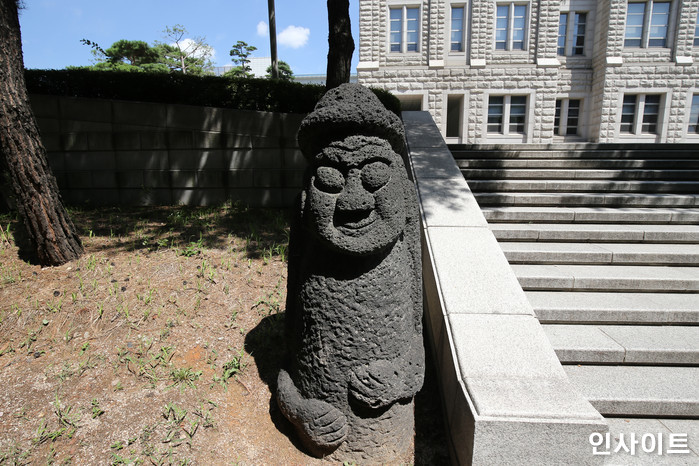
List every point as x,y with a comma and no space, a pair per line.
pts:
507,399
106,152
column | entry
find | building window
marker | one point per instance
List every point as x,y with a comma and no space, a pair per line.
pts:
507,114
405,29
639,114
410,103
510,26
647,24
457,29
455,110
696,31
567,119
571,33
694,116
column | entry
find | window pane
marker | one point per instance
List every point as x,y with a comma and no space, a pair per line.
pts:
562,30
634,24
457,29
411,42
396,26
651,110
519,25
495,113
694,115
696,30
658,24
500,40
501,25
628,111
412,27
518,111
456,44
579,34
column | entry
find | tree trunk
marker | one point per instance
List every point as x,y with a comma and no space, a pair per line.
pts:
51,236
273,38
340,43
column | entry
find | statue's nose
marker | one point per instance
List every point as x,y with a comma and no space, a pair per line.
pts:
354,196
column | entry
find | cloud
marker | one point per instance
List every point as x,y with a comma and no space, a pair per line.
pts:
262,29
294,36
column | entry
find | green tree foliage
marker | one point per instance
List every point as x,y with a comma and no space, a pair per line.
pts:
240,54
126,55
285,73
135,52
179,54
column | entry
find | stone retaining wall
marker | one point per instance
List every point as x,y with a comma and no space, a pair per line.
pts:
507,398
106,152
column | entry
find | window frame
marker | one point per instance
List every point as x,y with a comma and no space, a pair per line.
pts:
693,94
640,114
464,23
404,45
571,33
506,123
645,39
564,117
410,98
461,99
509,30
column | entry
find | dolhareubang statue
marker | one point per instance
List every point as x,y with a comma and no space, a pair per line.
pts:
354,302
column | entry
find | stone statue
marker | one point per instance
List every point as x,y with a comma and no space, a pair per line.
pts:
354,301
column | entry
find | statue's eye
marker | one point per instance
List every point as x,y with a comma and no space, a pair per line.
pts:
329,179
375,175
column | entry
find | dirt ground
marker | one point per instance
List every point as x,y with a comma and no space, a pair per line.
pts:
158,346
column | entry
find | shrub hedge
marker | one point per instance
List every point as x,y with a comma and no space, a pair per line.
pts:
211,91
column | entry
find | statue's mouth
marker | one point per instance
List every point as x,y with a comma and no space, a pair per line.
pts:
354,220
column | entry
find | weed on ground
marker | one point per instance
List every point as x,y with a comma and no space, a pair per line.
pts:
158,346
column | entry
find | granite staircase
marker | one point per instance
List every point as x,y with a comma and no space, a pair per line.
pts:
604,239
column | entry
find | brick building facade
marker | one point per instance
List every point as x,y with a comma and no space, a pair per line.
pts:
539,71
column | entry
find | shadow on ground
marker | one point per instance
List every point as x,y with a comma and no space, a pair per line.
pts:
266,344
153,228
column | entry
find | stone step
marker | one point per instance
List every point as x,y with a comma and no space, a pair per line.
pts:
678,215
611,308
678,443
601,253
585,199
578,174
652,152
607,164
641,278
595,232
624,344
575,186
639,390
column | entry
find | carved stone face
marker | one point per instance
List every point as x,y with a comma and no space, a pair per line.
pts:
355,200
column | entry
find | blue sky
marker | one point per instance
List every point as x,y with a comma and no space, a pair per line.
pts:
52,29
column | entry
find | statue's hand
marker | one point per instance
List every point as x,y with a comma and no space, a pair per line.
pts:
326,426
376,384
321,426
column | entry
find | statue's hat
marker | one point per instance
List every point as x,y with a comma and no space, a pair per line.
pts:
348,110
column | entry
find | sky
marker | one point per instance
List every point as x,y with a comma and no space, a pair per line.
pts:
52,29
